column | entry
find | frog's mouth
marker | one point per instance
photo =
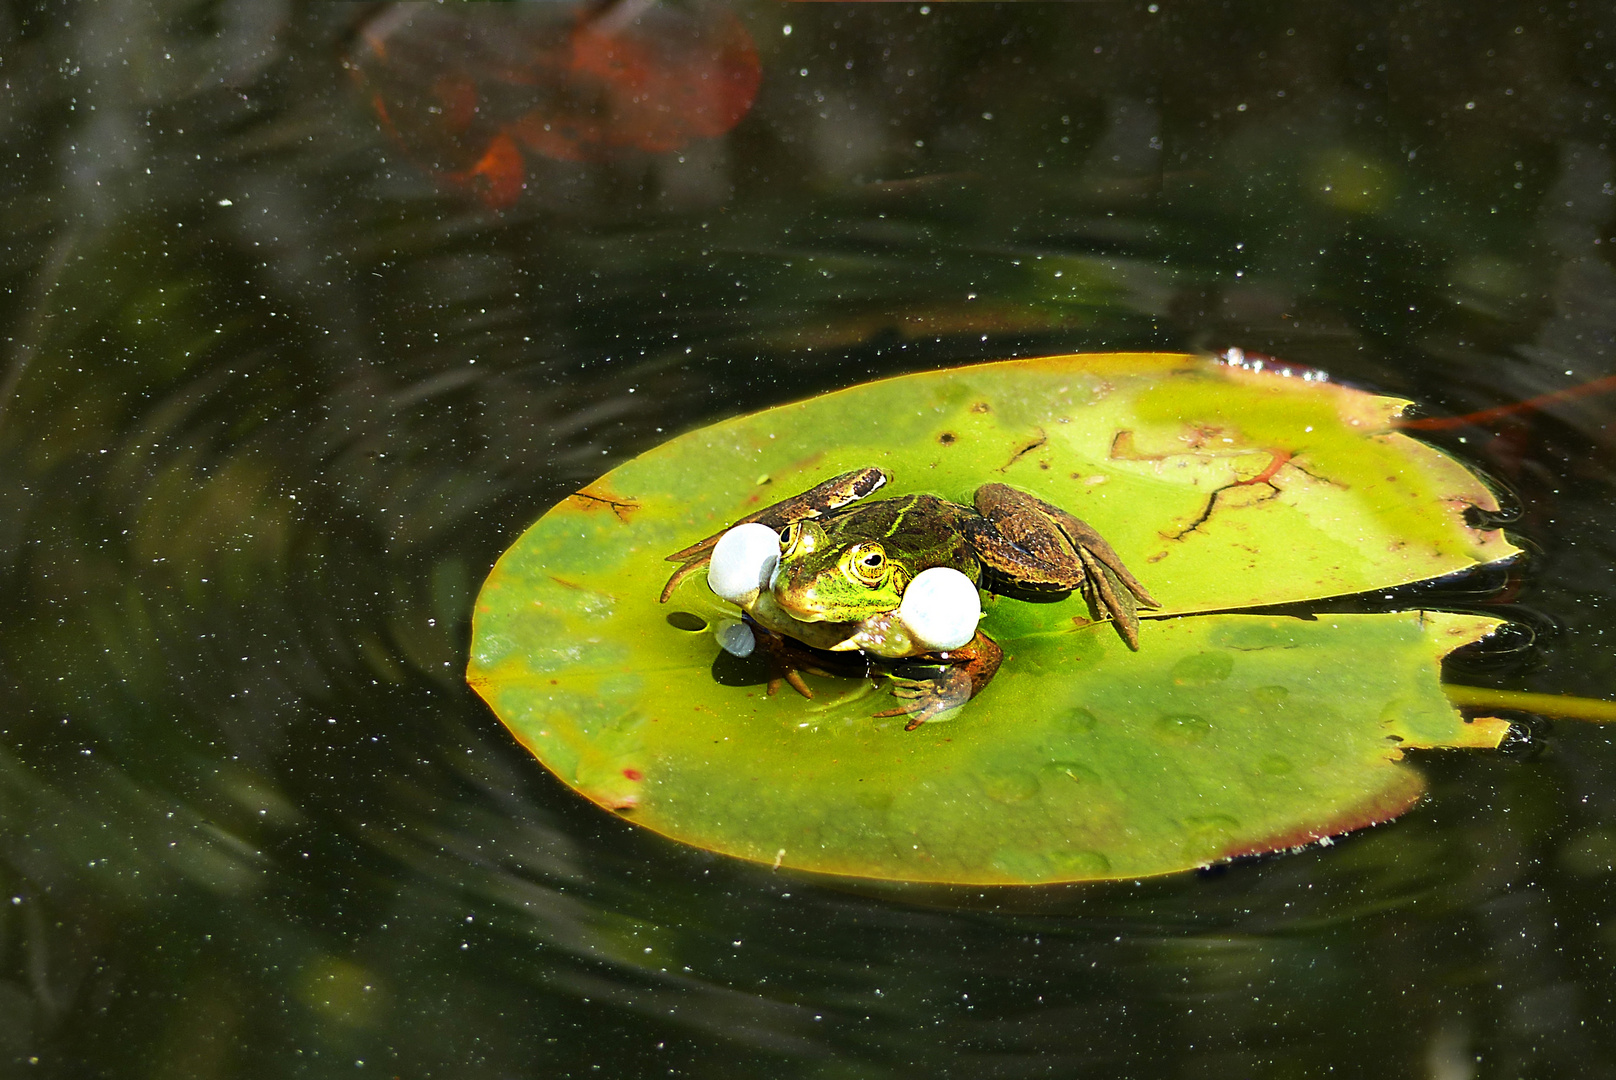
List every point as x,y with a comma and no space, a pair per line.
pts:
817,634
794,596
803,608
808,606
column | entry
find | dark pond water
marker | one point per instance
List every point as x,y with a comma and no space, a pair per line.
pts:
294,347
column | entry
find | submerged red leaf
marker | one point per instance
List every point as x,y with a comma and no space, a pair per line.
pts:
463,88
499,175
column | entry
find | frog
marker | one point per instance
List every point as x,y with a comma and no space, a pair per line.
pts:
846,561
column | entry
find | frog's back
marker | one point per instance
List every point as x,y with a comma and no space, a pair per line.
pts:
918,531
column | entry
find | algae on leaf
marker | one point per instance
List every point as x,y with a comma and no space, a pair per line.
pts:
1225,734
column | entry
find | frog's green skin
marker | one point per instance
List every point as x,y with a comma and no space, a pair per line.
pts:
854,564
844,565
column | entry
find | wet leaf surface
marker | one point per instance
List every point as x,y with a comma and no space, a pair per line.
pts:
1224,735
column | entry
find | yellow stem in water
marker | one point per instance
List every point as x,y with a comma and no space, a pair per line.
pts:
1572,708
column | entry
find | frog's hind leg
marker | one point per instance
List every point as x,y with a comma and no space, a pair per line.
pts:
1038,545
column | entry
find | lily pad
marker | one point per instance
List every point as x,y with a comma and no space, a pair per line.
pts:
1225,734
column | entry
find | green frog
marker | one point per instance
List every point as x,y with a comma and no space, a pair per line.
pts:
841,579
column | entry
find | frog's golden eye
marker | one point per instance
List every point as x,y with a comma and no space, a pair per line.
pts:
788,536
868,563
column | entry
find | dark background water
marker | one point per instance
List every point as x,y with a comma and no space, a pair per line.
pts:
277,391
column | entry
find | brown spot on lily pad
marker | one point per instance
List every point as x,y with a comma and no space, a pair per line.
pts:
598,496
1036,442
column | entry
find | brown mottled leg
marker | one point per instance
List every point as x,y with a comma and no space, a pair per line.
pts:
1038,544
969,669
1017,536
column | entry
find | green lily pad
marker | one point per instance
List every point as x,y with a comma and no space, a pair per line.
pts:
1225,734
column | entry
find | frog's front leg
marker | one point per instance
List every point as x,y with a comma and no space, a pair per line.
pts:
790,658
1040,546
785,662
969,669
817,501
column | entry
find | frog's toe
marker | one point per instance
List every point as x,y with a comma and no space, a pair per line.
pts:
924,712
924,700
918,692
794,678
917,713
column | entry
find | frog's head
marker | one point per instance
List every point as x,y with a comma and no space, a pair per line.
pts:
822,578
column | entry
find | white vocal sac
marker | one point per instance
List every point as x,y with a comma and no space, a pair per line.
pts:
940,609
742,561
735,637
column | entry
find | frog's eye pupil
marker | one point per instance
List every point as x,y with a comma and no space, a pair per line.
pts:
869,563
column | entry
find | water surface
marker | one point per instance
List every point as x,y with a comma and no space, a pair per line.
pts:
278,389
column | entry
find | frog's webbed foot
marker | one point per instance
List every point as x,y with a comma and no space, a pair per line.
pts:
817,501
923,700
1038,545
967,671
1106,592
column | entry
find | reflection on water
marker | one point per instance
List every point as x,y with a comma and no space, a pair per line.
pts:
465,93
274,400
